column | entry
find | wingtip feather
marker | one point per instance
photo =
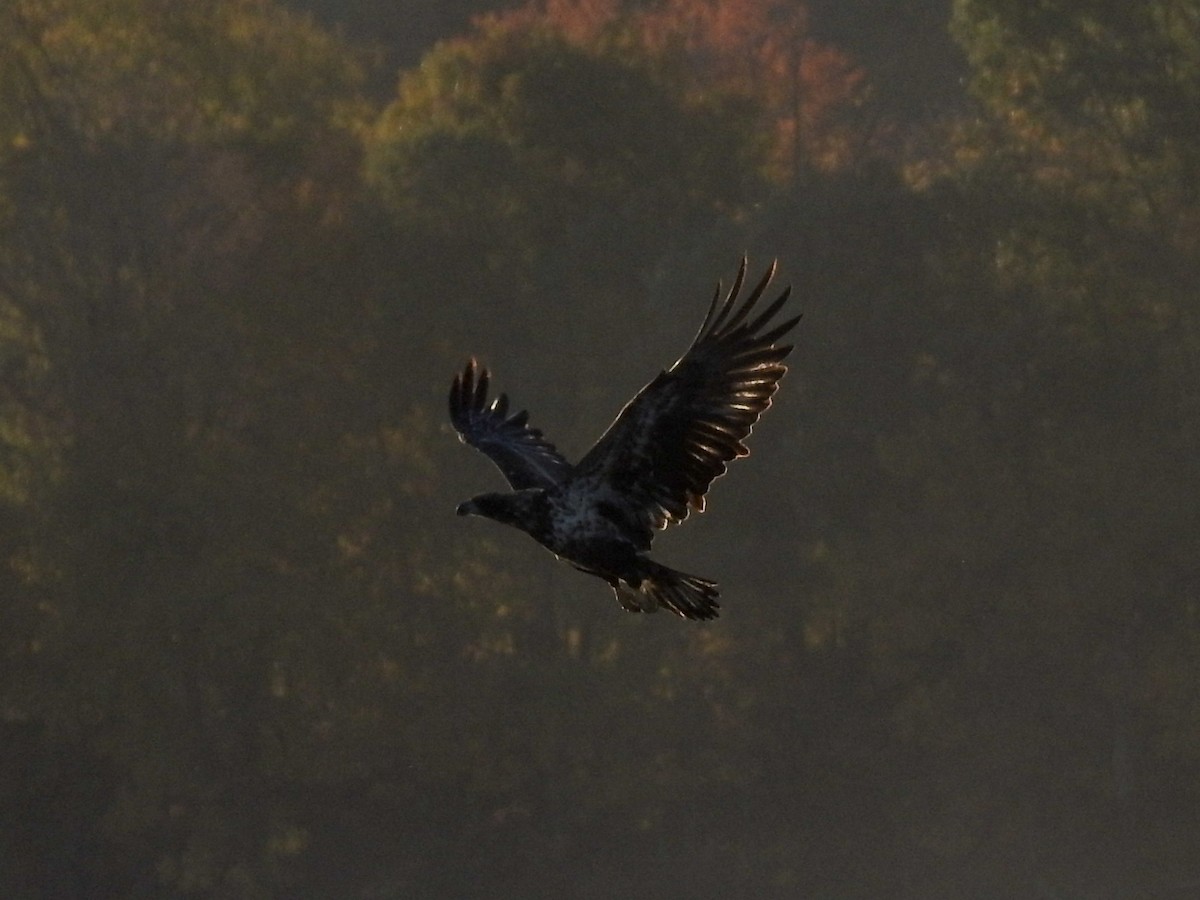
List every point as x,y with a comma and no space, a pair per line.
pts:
769,313
730,298
779,331
755,295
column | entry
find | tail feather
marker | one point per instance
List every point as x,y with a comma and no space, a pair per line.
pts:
689,596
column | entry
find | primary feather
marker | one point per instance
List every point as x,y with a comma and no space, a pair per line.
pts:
520,452
653,465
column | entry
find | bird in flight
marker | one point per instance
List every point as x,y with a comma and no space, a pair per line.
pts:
650,469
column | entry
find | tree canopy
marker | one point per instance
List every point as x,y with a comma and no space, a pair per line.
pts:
246,648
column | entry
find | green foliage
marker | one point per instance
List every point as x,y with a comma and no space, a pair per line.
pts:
215,69
519,134
1101,95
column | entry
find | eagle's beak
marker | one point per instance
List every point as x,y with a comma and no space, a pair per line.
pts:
466,508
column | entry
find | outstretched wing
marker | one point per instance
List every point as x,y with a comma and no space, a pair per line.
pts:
676,436
526,458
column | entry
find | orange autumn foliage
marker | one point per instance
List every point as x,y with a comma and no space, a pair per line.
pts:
761,49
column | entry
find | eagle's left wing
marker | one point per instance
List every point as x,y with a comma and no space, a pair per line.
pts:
526,458
676,436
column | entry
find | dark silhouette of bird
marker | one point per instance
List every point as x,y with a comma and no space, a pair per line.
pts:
650,469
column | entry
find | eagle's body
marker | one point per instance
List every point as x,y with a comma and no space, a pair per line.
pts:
652,466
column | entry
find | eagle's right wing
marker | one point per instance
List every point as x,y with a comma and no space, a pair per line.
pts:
680,432
526,458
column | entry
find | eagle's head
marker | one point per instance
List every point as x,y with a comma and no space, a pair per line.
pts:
519,508
473,507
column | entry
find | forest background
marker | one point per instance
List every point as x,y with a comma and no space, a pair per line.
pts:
247,650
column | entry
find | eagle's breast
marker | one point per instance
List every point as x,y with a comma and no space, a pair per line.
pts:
586,512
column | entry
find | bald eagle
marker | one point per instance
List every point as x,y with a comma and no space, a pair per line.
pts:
653,465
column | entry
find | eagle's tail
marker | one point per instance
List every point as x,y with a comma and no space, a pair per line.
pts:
654,585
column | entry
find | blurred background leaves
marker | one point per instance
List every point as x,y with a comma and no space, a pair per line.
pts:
246,650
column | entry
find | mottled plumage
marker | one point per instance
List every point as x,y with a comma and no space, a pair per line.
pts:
650,469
